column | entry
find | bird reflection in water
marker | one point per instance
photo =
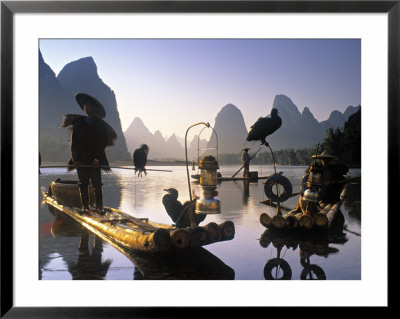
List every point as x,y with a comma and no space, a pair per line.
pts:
279,269
89,265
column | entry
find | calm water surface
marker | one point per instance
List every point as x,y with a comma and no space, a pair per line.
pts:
67,252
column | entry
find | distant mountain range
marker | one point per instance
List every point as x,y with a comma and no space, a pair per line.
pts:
298,130
302,130
160,148
56,98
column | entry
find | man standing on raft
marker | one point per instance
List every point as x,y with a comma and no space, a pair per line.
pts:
90,135
246,162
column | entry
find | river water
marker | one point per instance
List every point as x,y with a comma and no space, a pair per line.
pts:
67,252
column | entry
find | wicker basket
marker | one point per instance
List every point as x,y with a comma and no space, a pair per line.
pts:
67,193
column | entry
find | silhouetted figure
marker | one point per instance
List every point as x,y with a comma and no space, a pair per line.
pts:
180,214
333,172
90,135
264,126
40,162
246,162
140,159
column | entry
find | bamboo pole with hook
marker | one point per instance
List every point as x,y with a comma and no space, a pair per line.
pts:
243,165
101,166
278,207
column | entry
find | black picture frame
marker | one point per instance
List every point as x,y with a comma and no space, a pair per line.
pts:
9,8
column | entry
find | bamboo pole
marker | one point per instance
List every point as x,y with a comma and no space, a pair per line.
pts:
305,221
213,231
333,212
291,221
91,166
320,220
198,236
227,230
243,165
180,238
278,221
265,220
327,208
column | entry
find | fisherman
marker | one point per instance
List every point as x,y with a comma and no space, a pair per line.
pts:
90,135
333,172
246,162
324,177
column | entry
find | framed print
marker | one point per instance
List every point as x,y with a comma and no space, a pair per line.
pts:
233,125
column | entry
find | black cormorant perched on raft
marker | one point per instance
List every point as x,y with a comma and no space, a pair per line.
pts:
264,126
180,213
140,159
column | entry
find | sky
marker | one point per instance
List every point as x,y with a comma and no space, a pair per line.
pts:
173,83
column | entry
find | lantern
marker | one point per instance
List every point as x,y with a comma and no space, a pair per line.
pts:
209,203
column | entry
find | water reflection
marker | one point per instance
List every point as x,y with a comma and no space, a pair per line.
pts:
189,264
246,192
352,201
89,264
278,268
242,258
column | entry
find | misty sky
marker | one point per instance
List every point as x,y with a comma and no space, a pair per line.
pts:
171,84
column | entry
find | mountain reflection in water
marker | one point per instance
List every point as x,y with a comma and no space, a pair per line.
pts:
67,251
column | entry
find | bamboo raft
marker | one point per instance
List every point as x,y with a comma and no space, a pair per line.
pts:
140,234
328,218
195,263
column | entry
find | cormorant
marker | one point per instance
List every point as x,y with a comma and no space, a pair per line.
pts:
180,213
140,159
264,126
171,203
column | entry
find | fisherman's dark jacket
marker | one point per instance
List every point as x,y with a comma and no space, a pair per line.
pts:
89,138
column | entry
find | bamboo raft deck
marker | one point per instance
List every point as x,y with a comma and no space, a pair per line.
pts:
329,218
140,234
